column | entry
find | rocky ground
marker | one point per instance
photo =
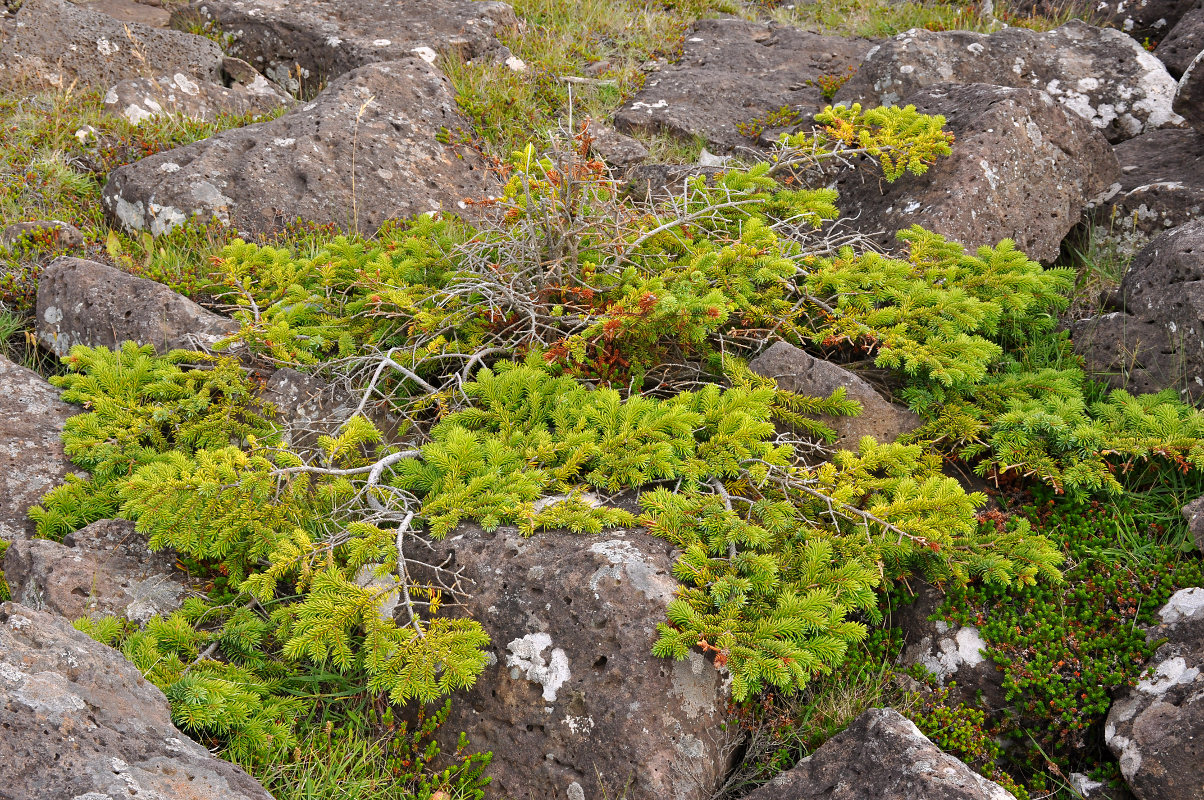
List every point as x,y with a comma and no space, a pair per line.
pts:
146,143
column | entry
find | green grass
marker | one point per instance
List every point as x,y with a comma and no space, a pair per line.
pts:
56,150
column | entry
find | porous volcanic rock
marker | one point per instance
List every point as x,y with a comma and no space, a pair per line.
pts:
1022,168
31,453
104,568
302,43
1156,339
59,43
1189,100
85,302
573,703
952,653
1100,74
140,99
1156,729
383,119
1161,186
1141,19
735,73
798,371
880,755
80,722
149,13
1184,42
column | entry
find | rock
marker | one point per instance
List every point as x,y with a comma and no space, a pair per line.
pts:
616,149
130,11
1022,168
140,99
309,407
1193,513
880,755
796,370
81,722
1161,186
1157,340
104,568
735,74
1183,43
1100,74
84,302
574,703
1144,19
1156,730
384,119
56,232
303,43
1189,100
658,182
951,653
31,453
61,43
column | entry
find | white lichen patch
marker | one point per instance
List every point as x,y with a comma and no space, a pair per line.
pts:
526,661
1183,604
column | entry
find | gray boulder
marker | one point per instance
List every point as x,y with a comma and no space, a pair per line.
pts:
1161,186
1184,42
383,119
31,453
796,370
60,43
573,703
616,149
140,99
881,755
81,722
1189,99
1143,19
301,44
950,653
104,568
1156,729
735,74
1101,74
84,302
1022,168
1156,339
150,13
1193,514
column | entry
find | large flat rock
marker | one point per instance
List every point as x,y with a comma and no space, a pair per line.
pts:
31,450
1101,74
383,119
735,77
81,723
1023,168
302,43
59,43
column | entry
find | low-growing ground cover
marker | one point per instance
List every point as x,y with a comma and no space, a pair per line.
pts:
581,344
